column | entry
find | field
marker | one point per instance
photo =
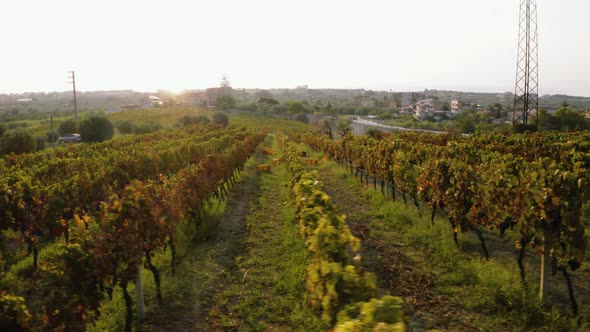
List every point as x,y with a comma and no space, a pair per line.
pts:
265,225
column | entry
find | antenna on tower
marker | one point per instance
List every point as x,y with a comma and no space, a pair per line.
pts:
526,95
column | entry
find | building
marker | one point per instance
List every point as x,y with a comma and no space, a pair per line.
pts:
459,105
407,110
427,107
193,98
409,98
151,102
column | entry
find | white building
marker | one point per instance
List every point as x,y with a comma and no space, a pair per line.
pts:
459,105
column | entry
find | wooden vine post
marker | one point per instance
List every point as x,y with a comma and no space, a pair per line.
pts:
545,264
139,295
139,284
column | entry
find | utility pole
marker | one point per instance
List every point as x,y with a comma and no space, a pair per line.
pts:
73,82
526,94
52,133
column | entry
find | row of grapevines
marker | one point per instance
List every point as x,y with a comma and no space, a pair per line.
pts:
107,245
335,282
554,145
38,201
483,188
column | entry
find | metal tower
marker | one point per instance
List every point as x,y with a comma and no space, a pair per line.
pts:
526,95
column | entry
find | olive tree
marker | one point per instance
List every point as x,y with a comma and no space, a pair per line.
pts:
96,128
18,141
67,127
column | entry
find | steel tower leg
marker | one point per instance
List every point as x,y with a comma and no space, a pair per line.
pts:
526,94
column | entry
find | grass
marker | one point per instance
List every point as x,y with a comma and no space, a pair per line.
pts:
265,290
167,117
267,122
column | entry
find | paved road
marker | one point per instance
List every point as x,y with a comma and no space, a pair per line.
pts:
369,123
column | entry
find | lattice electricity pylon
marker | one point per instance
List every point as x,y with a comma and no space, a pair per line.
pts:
526,95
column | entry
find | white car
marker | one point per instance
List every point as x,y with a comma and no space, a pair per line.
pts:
70,138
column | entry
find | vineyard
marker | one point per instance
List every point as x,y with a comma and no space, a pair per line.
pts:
105,209
85,226
536,186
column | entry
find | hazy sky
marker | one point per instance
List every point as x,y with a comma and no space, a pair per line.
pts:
373,44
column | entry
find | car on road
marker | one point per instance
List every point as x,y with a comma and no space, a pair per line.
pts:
70,138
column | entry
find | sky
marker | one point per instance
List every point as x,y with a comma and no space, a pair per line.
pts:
402,45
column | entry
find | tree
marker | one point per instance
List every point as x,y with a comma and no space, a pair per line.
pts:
96,128
343,125
279,108
545,120
569,119
465,123
225,102
220,118
564,119
2,129
67,127
224,81
18,141
327,128
269,101
295,107
263,94
495,110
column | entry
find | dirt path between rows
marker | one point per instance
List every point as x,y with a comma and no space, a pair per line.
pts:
401,267
206,263
396,266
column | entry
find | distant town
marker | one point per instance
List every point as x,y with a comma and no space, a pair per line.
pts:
418,103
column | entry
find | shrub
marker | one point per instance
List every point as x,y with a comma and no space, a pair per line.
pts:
67,127
96,128
220,118
125,127
51,137
147,127
302,117
17,141
14,125
192,119
155,125
40,142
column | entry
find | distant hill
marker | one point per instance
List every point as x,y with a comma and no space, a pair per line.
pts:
92,100
553,101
